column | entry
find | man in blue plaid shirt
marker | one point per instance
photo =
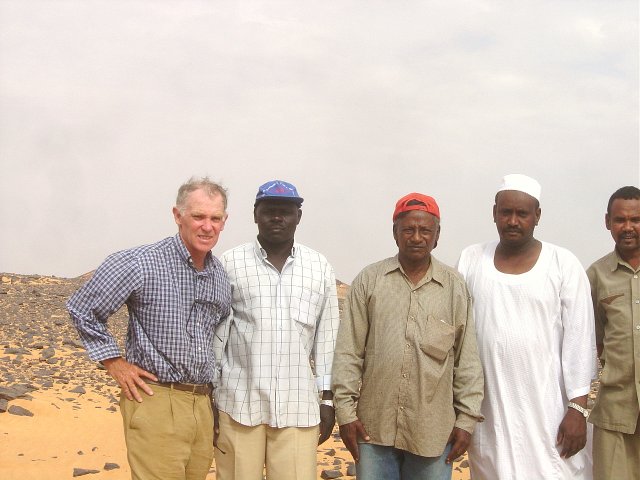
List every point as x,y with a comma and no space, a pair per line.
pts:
176,292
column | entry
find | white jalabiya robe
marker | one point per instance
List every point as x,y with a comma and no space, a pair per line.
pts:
537,346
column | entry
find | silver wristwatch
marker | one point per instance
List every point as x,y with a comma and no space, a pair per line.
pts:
582,410
327,402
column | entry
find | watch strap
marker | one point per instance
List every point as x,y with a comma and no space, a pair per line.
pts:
582,410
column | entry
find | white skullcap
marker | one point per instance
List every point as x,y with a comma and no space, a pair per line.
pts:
521,183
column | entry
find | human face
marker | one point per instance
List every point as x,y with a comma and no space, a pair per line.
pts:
624,224
516,215
200,222
277,221
416,234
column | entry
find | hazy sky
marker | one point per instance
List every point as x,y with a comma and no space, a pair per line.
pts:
106,107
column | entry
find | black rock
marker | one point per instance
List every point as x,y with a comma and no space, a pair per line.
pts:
79,390
110,466
22,412
10,393
351,469
16,351
73,343
78,472
47,353
331,452
331,474
3,405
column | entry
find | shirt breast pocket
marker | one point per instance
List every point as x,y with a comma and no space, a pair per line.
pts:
305,304
436,338
613,302
208,311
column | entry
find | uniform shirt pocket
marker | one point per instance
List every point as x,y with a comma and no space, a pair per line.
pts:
436,338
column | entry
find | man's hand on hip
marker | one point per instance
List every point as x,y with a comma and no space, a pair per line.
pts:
129,377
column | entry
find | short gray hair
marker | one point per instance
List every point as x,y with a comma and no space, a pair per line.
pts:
210,188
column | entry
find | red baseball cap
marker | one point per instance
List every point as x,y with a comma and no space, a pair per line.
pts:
426,204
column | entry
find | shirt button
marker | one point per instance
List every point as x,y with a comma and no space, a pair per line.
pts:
404,375
408,346
635,276
637,327
637,301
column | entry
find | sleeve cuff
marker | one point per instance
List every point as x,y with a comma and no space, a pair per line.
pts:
578,392
467,422
345,415
323,382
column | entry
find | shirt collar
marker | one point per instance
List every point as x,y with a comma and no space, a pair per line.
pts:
186,256
615,260
262,253
435,271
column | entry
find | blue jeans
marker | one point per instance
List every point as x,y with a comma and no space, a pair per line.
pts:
378,462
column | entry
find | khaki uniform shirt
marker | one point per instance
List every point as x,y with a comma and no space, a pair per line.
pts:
615,289
406,362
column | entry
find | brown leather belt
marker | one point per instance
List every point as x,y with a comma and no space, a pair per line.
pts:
197,389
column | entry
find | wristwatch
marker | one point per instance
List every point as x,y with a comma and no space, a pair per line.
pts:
582,410
327,402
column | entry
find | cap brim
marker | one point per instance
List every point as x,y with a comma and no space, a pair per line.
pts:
297,200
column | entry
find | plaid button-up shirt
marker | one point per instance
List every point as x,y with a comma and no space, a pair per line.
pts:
173,309
279,340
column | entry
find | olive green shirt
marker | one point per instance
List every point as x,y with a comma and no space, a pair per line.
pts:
413,350
615,290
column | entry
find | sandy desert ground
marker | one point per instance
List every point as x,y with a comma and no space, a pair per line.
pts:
59,413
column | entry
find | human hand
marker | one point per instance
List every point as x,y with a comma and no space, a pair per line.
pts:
327,421
216,426
349,432
129,377
572,433
459,440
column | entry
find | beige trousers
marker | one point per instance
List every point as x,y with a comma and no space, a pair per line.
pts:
616,455
169,435
288,453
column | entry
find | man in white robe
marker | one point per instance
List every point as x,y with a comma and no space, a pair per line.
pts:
535,332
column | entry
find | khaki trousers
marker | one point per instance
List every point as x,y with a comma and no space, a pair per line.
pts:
169,435
288,453
616,455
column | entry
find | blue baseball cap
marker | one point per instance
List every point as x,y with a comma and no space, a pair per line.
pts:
278,190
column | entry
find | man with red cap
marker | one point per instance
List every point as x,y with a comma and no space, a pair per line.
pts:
407,380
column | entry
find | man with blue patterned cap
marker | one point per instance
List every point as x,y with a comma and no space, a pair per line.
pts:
535,333
274,395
